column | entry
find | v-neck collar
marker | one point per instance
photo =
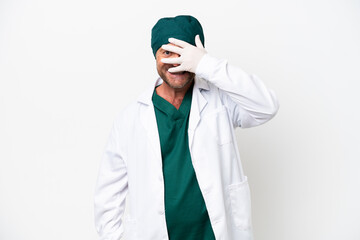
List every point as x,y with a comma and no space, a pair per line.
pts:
170,110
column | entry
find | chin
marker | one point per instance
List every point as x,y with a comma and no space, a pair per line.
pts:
178,84
177,80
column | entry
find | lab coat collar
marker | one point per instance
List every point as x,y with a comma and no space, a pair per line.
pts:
146,96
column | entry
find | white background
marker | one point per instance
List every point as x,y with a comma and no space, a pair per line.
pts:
68,67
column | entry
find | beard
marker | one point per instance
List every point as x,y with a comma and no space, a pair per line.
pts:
172,84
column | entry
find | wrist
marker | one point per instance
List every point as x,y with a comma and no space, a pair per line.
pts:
206,65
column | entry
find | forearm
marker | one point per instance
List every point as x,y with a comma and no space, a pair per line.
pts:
248,92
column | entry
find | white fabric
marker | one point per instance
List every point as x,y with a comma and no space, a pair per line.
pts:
224,97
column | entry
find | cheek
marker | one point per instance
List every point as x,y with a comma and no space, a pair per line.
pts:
160,66
159,62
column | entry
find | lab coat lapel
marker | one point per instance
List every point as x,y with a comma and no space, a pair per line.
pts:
148,119
198,104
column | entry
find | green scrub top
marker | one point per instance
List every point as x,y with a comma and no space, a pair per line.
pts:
185,211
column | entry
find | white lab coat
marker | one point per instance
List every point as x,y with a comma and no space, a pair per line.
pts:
224,97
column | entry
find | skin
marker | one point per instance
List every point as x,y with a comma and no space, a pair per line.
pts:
175,85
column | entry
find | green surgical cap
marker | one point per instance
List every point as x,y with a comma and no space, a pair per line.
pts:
180,27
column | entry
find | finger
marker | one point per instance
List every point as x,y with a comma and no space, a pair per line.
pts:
176,69
178,42
171,60
198,42
171,48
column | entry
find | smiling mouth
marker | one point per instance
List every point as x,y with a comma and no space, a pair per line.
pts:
178,73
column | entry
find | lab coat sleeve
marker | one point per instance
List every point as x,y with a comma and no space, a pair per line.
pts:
249,101
111,190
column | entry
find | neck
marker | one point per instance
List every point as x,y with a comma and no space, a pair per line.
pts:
173,95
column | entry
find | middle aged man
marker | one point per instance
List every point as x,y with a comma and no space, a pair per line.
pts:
172,154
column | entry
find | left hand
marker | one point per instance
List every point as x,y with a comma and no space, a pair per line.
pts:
190,55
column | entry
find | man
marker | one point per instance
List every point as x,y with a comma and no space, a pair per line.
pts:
172,154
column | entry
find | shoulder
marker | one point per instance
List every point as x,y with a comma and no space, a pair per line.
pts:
130,112
127,113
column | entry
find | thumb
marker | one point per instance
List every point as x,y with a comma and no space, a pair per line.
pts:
198,42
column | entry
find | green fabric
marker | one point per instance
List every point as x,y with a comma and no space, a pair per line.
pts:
185,211
182,27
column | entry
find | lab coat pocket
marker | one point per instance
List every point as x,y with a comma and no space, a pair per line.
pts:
219,125
240,203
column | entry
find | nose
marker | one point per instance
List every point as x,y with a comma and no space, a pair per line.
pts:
175,55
